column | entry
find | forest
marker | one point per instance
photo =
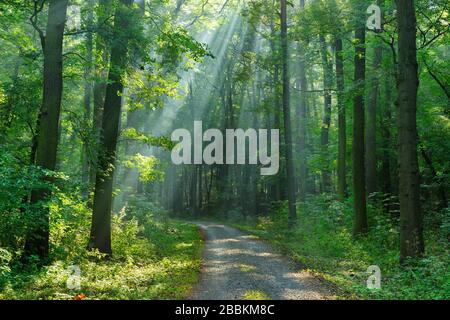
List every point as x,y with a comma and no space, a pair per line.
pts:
143,142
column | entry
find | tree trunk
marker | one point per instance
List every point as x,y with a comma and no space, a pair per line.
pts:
326,121
359,183
100,237
47,139
193,191
200,189
386,123
87,99
371,146
276,192
301,113
342,134
101,48
290,174
411,233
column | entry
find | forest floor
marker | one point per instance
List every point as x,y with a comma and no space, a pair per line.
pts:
156,260
322,244
237,265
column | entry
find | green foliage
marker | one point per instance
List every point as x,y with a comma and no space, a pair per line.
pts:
5,259
153,260
146,167
17,182
141,208
133,134
163,85
175,43
153,256
322,243
2,97
235,80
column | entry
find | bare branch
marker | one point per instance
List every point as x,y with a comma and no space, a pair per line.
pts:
199,16
38,7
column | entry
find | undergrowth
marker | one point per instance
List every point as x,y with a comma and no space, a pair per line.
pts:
322,243
153,258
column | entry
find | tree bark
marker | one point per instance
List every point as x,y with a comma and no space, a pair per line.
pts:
386,123
411,233
371,145
276,193
290,174
100,237
85,163
193,191
359,183
37,242
342,131
101,48
301,113
200,189
326,121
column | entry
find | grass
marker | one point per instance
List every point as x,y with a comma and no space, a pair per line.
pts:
159,260
255,295
247,268
322,243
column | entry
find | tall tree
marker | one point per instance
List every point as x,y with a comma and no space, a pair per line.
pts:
290,174
327,68
411,234
371,145
37,242
276,188
385,128
301,113
101,75
342,134
88,86
359,183
100,237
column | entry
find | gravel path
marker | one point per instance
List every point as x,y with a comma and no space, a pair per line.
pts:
238,266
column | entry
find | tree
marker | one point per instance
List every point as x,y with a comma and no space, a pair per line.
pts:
342,134
301,113
385,128
411,234
276,187
101,75
359,183
88,86
371,129
327,67
37,242
290,174
100,237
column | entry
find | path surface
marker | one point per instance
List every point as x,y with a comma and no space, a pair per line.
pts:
238,266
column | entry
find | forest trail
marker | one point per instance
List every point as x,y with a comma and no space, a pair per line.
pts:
238,266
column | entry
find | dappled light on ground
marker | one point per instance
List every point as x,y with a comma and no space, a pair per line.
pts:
237,266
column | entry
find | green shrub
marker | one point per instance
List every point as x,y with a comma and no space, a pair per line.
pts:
153,257
322,242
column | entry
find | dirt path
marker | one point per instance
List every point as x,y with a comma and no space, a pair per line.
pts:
238,266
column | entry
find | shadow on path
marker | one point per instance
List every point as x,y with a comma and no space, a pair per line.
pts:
237,266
